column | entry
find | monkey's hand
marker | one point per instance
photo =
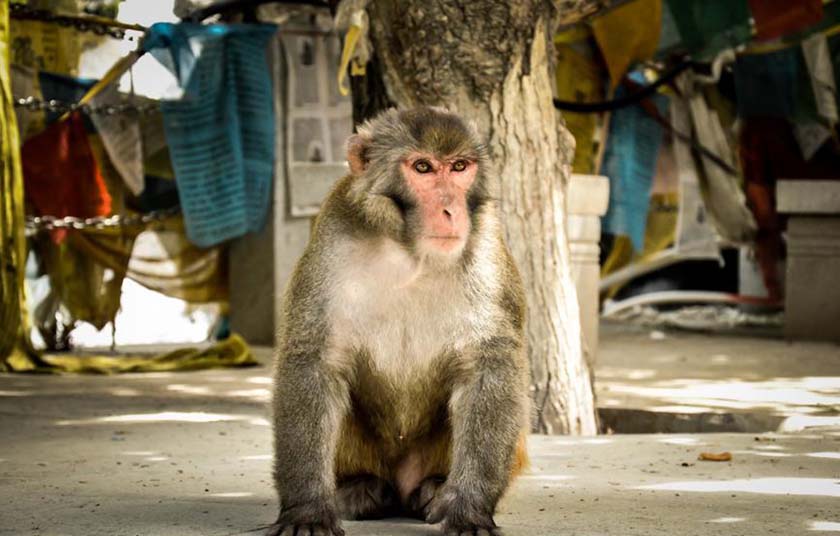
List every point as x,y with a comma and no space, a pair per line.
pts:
307,519
462,514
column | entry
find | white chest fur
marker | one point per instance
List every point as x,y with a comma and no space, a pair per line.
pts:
403,313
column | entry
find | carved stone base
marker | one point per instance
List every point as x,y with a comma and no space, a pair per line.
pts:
812,290
587,200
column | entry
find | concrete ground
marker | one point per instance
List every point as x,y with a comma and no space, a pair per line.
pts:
649,380
189,453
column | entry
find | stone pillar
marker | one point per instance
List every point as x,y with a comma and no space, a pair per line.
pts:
812,292
586,202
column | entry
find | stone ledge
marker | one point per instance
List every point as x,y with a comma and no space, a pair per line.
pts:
808,197
588,194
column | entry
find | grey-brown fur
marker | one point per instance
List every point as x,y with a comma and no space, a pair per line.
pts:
348,429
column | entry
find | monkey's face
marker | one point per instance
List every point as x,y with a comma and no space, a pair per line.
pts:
439,188
419,179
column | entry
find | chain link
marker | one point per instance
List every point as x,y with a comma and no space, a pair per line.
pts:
23,11
37,223
35,104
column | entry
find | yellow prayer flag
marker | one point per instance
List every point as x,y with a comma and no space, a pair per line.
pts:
628,34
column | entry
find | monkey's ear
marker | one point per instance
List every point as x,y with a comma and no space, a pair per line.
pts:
356,154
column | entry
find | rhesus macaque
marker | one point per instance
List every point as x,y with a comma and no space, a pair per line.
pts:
401,381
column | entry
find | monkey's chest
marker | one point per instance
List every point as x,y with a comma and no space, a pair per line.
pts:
402,333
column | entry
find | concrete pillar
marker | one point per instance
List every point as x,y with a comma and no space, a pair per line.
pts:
812,292
586,201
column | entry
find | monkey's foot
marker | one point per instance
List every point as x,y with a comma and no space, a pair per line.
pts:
418,502
366,497
307,519
461,515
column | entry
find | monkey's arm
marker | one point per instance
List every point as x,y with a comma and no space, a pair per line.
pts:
309,404
488,412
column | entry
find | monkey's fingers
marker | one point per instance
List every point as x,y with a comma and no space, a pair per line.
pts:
304,530
459,517
473,532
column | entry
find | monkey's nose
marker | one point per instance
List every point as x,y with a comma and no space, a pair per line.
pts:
447,213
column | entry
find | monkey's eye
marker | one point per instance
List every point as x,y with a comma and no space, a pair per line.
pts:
459,165
422,166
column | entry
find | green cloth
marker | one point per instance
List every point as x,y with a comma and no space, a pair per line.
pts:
231,352
708,26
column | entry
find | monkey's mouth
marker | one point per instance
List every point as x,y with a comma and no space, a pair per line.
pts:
444,243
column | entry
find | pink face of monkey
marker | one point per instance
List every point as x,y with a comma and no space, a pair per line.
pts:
440,187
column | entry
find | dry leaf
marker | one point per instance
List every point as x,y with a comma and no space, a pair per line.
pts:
715,456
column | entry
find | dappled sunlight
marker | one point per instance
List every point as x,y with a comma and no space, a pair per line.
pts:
554,478
152,374
222,379
606,373
16,393
189,389
166,416
230,494
157,458
123,391
825,487
259,394
261,380
139,453
256,457
783,395
680,441
595,441
824,526
763,453
830,455
570,442
803,422
728,520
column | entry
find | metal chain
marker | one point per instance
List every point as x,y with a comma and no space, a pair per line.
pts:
36,223
23,11
35,104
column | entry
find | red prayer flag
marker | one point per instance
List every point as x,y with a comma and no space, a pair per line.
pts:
61,176
775,18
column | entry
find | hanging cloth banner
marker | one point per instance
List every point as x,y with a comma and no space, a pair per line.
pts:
579,78
221,131
14,339
709,26
61,176
818,60
777,18
628,34
121,137
630,163
774,84
722,191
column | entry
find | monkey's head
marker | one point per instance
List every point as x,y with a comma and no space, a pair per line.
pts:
418,179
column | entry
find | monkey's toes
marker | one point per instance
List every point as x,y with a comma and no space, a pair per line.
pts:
305,530
307,519
461,515
420,500
366,497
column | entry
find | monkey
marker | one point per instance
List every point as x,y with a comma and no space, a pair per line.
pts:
401,383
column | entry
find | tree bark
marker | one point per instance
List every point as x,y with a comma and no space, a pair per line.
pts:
490,61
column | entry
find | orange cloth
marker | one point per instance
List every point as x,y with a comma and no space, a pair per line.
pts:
776,18
61,176
628,34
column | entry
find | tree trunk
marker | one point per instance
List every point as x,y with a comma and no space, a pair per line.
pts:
490,61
